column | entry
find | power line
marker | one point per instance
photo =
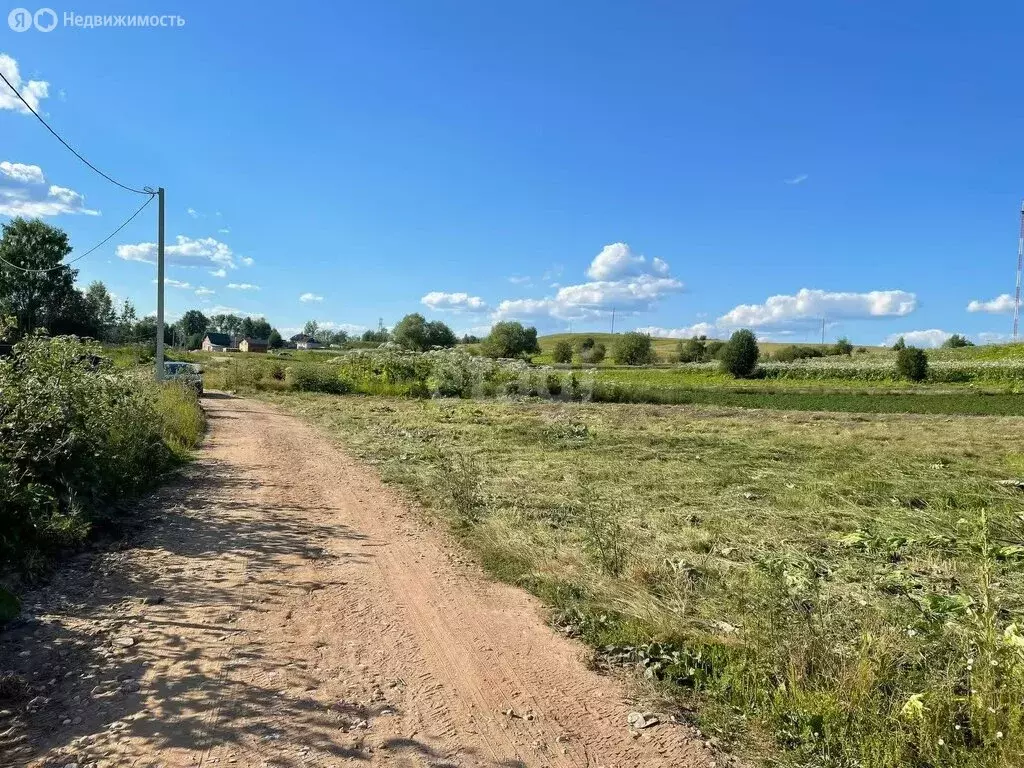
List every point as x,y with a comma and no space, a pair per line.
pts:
102,242
73,151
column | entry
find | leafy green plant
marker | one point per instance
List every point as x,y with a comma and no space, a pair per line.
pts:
912,363
633,348
562,353
691,350
74,438
739,356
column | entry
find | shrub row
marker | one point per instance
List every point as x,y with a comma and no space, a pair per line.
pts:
76,436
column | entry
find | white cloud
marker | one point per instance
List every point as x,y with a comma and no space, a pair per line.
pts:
247,261
170,281
224,230
1001,304
930,338
35,201
219,272
34,91
640,284
308,297
220,309
994,337
192,212
618,260
519,280
814,304
202,290
798,179
20,172
688,332
455,302
243,287
634,294
186,252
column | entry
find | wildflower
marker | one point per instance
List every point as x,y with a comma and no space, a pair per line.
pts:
914,709
999,734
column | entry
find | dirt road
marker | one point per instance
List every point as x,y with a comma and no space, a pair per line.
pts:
282,608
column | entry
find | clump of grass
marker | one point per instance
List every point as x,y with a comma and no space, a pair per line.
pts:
181,419
459,481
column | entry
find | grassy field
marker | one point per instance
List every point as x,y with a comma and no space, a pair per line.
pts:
823,590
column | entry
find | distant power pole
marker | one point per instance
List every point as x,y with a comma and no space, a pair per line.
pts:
613,319
1020,267
160,286
823,330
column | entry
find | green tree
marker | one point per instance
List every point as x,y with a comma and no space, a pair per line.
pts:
956,341
229,323
411,332
193,323
633,348
912,363
900,344
562,353
312,328
739,355
843,347
692,350
440,335
593,354
510,339
276,342
376,336
100,308
36,299
414,332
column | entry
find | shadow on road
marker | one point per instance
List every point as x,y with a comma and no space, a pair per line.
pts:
108,620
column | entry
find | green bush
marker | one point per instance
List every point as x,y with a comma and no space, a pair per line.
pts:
912,363
633,348
795,352
562,353
311,377
593,354
739,356
74,438
509,339
691,350
713,349
842,347
956,341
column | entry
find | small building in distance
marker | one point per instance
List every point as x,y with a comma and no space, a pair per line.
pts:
305,341
254,345
217,342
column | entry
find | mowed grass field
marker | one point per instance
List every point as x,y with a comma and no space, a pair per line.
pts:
820,589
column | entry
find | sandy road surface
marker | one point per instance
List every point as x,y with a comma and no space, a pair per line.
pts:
283,608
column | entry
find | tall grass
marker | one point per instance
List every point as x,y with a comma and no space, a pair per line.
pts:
821,590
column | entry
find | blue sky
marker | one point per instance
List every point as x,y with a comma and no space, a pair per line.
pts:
694,168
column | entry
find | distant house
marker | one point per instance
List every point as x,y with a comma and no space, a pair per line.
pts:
217,342
305,341
254,345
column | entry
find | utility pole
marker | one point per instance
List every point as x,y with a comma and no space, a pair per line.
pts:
160,287
1020,268
613,319
823,331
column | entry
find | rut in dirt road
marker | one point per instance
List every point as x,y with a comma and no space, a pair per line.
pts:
286,609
